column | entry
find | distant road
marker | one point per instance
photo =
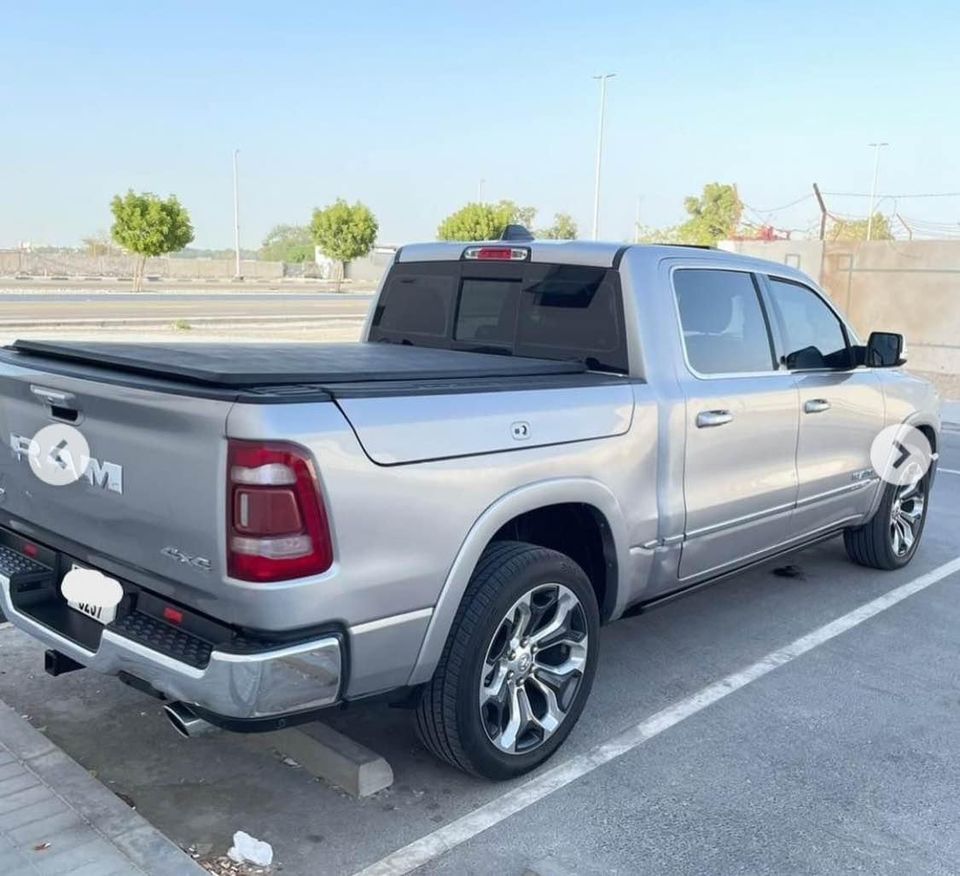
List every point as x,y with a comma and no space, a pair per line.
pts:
180,305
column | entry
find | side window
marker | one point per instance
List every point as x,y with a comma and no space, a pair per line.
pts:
812,334
724,326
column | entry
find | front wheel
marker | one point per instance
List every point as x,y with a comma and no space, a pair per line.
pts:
892,536
518,665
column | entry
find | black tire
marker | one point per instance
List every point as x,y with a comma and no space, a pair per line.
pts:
448,717
872,544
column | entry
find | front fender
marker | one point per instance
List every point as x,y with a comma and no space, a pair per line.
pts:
922,419
583,491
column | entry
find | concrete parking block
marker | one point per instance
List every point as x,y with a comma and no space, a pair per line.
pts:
327,754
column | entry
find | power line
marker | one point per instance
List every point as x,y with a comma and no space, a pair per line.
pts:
867,195
778,209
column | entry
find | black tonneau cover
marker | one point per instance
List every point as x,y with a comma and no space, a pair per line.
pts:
238,365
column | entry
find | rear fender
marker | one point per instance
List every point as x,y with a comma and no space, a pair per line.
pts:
528,498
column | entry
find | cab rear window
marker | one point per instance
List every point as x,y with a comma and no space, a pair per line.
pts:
566,312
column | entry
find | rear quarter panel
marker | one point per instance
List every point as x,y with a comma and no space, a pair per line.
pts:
406,536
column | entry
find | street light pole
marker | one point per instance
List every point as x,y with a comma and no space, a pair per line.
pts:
873,189
236,213
480,191
603,77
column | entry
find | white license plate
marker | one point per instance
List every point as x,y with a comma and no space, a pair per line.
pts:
100,613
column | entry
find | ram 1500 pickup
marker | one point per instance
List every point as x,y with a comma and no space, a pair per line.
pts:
532,439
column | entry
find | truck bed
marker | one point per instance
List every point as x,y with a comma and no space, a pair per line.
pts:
234,366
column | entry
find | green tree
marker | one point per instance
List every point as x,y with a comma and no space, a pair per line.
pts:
149,226
477,221
715,215
288,243
563,228
856,229
524,216
344,232
98,244
648,234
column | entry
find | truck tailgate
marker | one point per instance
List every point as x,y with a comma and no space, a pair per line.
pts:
154,493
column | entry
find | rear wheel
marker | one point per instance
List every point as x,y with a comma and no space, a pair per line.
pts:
892,537
518,664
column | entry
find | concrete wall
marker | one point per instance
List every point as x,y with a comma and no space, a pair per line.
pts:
371,268
908,287
13,263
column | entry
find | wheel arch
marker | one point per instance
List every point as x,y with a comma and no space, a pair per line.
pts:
931,429
588,496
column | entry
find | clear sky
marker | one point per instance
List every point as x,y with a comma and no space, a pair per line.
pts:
406,106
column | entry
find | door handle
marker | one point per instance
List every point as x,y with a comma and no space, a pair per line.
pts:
709,419
816,406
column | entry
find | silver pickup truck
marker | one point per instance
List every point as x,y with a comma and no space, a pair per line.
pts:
532,440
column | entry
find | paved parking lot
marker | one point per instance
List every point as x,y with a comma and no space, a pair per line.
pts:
839,754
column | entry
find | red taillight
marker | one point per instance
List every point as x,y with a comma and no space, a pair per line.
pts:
277,526
497,253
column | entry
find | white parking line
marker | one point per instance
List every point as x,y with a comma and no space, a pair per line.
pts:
949,471
442,840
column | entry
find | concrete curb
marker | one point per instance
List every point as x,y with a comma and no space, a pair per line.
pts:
135,838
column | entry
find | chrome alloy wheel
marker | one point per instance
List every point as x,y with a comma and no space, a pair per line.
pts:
533,668
906,517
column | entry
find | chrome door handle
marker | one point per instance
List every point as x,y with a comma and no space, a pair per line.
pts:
709,419
816,406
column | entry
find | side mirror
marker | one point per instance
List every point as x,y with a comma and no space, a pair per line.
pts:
885,350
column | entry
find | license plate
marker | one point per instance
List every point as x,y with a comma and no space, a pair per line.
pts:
100,613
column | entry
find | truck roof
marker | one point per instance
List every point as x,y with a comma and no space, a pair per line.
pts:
601,254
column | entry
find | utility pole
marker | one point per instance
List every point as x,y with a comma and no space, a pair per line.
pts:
236,213
480,190
823,211
873,190
636,222
603,77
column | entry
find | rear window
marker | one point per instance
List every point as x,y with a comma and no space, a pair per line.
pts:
567,312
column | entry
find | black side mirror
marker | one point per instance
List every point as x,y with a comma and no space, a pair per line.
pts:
885,350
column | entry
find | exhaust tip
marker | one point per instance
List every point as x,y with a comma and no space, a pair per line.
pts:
187,722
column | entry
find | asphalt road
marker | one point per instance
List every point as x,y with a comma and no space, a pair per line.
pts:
183,305
843,758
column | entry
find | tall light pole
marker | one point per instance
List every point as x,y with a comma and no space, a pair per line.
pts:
236,212
480,190
873,189
603,77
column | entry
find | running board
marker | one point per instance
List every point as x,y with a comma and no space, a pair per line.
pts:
680,592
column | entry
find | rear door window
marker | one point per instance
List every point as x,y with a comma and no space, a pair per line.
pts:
724,325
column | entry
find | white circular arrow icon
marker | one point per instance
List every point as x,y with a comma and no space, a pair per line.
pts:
59,454
901,454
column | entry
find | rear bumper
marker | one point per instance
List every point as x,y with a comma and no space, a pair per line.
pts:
246,685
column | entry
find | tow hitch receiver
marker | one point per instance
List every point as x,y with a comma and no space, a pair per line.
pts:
55,663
